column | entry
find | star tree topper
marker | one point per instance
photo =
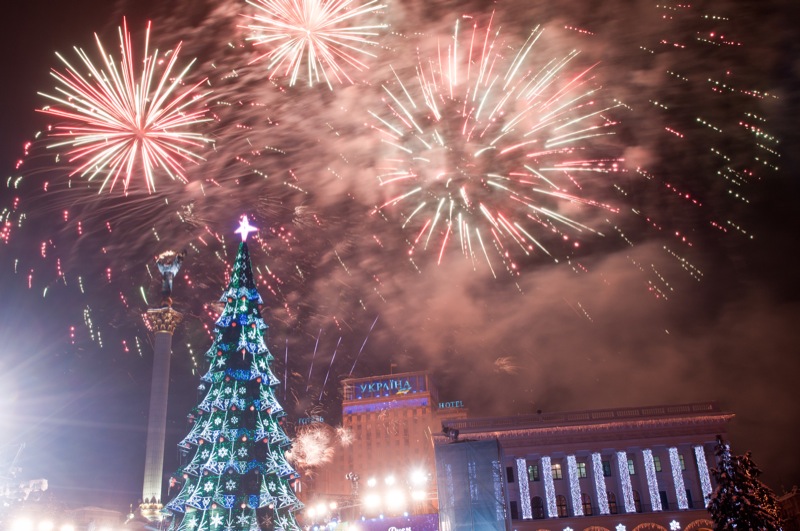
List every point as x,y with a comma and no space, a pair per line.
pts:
245,228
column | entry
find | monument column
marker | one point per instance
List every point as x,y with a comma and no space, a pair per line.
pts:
162,323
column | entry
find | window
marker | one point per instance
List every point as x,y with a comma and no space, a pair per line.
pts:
556,470
657,463
683,463
637,501
586,501
510,474
581,470
689,499
561,505
514,510
533,472
664,500
631,468
537,508
612,502
607,469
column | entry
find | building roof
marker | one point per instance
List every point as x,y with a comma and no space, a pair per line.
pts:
615,423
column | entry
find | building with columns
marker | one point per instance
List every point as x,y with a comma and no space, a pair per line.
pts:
624,469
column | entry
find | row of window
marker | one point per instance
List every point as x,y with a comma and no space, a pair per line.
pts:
557,472
538,507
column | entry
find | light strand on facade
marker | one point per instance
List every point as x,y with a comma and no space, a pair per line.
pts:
677,478
574,485
524,489
625,481
499,490
652,480
600,483
702,469
549,487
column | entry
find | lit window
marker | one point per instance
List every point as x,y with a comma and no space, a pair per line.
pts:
657,463
586,501
631,468
537,508
581,470
533,472
612,502
556,469
561,505
683,463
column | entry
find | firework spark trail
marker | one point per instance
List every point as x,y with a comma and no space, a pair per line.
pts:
333,358
286,369
118,123
261,132
358,354
319,33
482,155
313,356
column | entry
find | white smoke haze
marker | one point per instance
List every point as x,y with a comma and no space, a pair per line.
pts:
621,320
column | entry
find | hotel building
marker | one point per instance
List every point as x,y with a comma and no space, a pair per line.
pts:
392,420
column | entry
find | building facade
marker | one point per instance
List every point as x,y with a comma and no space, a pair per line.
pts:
392,420
619,469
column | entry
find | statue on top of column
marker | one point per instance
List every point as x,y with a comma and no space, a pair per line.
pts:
169,263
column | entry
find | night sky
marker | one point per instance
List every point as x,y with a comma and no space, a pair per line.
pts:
690,294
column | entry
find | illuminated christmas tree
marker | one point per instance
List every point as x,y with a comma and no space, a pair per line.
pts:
238,477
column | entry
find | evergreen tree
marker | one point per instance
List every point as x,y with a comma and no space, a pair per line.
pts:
238,477
741,501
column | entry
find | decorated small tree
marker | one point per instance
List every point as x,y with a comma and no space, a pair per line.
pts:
237,477
741,501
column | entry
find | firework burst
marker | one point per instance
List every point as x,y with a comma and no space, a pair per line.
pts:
320,33
313,446
117,122
493,148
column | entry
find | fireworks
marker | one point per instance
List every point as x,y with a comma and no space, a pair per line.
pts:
313,445
488,147
318,36
491,144
117,123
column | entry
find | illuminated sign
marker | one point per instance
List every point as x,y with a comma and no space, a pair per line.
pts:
389,386
450,405
310,420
